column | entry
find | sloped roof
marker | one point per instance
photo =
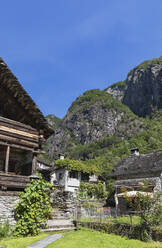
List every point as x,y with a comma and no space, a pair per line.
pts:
9,82
145,164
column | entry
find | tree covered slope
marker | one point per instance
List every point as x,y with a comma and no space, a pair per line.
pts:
100,127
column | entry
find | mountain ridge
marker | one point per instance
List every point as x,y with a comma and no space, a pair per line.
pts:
100,127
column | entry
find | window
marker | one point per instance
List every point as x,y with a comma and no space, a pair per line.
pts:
73,174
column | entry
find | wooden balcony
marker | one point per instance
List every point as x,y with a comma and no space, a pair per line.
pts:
12,181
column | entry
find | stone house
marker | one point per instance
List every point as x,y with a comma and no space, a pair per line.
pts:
70,180
23,130
131,173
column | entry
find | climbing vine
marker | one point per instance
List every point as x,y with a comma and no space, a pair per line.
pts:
33,208
75,165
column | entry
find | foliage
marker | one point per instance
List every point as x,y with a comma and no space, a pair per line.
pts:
33,208
100,157
96,190
106,153
150,212
5,229
89,204
74,165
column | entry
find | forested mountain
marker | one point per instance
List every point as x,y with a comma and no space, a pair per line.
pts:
100,127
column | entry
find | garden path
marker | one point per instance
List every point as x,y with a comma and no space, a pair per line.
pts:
46,241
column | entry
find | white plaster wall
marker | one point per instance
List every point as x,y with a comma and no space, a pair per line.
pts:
55,176
73,183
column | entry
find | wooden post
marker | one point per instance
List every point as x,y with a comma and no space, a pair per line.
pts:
116,200
7,159
34,164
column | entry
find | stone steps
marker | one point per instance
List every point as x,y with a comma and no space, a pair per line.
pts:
59,229
60,218
59,225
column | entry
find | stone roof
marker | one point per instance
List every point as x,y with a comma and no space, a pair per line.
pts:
42,161
30,113
138,166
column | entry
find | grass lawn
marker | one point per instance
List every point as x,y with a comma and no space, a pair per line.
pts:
123,219
22,242
86,238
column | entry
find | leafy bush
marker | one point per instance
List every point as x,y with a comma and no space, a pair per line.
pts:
87,190
150,211
33,208
5,229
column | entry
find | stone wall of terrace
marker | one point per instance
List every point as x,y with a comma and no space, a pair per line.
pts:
8,202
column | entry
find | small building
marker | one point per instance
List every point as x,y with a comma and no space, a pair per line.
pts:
70,180
131,173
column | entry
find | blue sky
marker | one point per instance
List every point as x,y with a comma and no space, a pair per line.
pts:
58,49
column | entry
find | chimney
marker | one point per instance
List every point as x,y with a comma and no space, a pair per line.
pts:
135,151
61,156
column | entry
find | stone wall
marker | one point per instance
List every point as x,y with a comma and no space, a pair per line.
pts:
63,201
8,202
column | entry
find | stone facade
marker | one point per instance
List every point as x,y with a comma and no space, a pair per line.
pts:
8,202
64,203
131,173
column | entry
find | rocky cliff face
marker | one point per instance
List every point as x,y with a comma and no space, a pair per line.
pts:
142,90
96,115
117,90
93,116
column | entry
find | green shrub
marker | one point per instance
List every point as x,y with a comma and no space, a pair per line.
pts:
34,208
5,229
87,190
149,209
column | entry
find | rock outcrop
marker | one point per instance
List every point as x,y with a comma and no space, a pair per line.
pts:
93,116
142,90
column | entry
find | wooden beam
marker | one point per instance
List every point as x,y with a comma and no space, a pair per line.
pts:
19,132
18,141
18,125
34,164
7,159
16,146
14,135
